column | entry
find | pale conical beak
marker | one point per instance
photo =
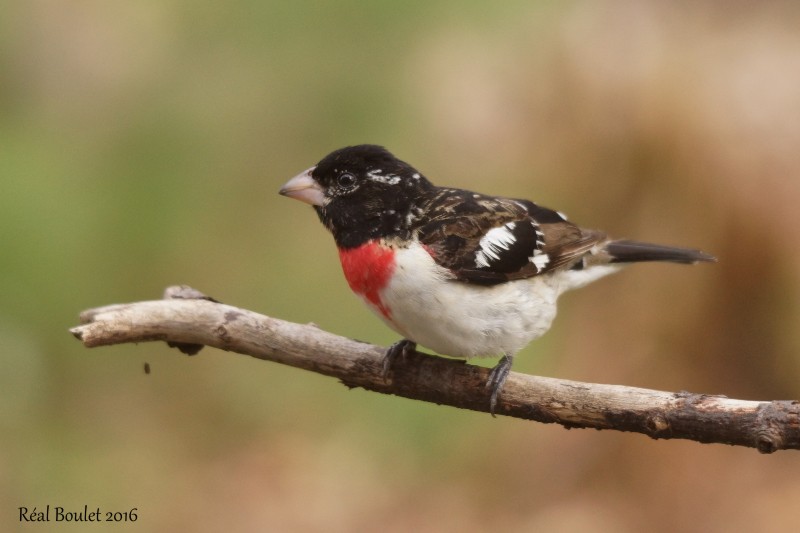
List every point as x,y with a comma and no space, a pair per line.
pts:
304,188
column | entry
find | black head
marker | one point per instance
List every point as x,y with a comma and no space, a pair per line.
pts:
360,193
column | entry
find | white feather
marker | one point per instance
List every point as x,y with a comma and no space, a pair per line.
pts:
460,319
495,241
540,260
466,320
389,179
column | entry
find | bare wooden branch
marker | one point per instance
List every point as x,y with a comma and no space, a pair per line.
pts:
767,426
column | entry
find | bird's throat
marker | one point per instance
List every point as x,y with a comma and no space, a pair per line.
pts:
368,269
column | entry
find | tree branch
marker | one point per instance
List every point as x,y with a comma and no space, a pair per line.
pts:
188,320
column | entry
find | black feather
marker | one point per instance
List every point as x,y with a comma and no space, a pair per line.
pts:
386,198
625,251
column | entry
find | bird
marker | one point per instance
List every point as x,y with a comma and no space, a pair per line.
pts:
461,273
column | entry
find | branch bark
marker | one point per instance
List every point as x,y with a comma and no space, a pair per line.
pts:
190,322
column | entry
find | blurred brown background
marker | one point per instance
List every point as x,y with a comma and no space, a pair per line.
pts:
143,144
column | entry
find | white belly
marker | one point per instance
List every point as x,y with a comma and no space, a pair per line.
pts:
465,320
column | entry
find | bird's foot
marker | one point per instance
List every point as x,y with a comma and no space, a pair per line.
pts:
497,377
399,349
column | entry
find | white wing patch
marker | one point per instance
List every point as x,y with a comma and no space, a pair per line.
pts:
495,241
540,260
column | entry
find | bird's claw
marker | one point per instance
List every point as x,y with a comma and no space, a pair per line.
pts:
497,377
399,349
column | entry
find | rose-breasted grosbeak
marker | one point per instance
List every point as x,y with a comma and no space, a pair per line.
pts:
462,273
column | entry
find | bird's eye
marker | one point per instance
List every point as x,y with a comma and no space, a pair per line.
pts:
346,180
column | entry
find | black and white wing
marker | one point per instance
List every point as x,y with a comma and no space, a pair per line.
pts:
488,240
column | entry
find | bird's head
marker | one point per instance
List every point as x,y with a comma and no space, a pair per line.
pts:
360,193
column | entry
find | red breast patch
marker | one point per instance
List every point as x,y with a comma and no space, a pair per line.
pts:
367,270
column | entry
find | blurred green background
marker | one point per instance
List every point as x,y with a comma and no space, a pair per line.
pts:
143,144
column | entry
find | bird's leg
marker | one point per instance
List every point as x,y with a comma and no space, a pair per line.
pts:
497,377
399,349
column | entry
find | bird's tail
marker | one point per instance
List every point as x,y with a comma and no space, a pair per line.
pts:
625,251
